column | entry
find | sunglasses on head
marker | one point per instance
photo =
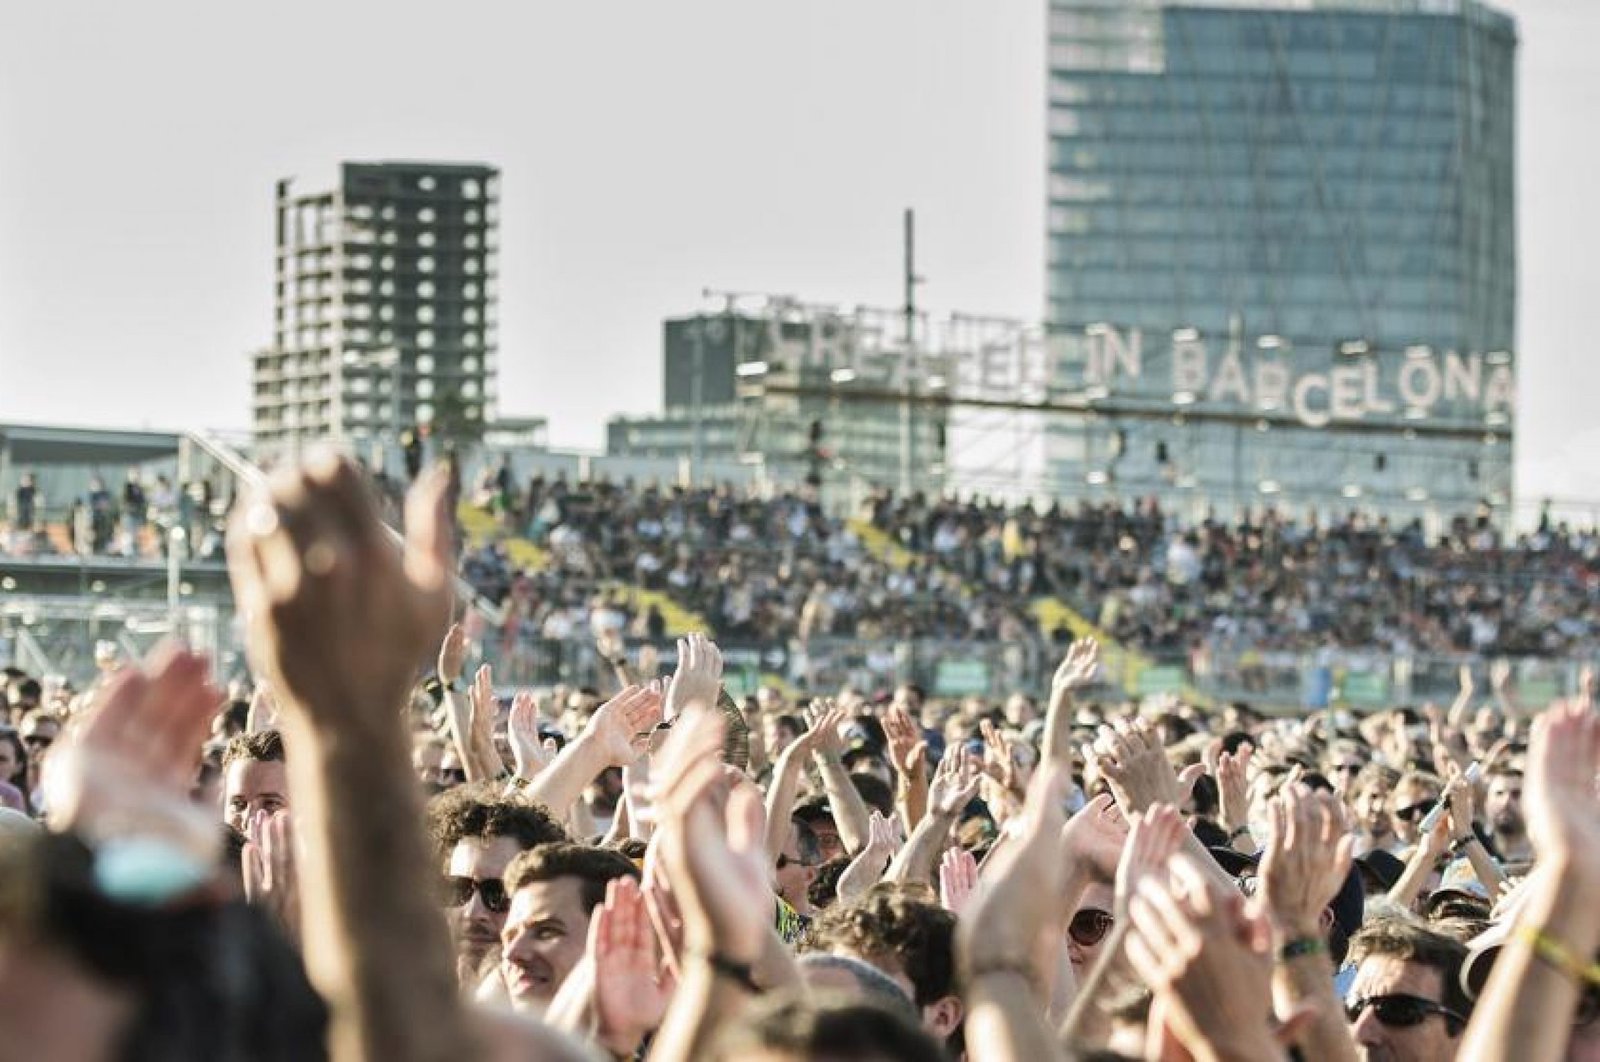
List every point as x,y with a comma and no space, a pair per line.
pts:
1090,926
458,893
1400,1011
1412,812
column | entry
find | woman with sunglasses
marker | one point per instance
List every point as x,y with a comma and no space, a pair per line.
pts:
1090,926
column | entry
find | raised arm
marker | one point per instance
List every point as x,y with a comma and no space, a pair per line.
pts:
339,622
1306,861
849,810
1527,1008
1005,944
955,783
616,735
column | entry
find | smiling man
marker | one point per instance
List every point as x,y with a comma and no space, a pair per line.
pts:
476,840
554,889
254,777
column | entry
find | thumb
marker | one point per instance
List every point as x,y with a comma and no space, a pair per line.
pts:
1188,777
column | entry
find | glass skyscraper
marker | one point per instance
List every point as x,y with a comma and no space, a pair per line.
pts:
1290,229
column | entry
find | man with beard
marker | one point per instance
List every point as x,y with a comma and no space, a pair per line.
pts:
1507,826
476,840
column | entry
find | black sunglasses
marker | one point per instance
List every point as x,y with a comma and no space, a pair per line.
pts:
1415,811
1090,926
458,892
1400,1011
1347,768
784,862
38,741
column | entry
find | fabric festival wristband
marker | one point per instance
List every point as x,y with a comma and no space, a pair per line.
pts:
1300,947
1558,955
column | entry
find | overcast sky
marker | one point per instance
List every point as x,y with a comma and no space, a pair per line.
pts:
649,150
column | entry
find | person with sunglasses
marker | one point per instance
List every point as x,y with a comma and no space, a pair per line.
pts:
1406,1003
1416,794
1091,923
476,840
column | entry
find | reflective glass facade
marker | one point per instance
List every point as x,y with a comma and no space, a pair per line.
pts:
1316,184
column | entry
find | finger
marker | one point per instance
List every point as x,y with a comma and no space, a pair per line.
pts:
428,545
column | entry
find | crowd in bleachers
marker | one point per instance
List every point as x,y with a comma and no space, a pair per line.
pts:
781,569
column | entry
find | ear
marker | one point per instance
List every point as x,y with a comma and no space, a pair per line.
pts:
943,1016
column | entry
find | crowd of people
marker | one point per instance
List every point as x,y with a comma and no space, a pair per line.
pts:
780,569
375,852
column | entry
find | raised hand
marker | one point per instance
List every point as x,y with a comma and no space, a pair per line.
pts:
1096,836
907,749
1152,841
710,837
1208,961
620,728
1561,804
823,718
128,767
1132,760
1306,861
1077,669
337,619
631,989
698,678
263,713
958,879
531,753
268,865
484,709
1233,787
955,782
1021,888
884,838
453,655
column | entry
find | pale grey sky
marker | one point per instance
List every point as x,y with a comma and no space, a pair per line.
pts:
649,149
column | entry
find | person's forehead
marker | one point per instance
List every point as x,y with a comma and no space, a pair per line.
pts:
1389,974
256,777
483,857
559,898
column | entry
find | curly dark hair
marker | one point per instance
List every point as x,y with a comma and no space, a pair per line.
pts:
593,866
919,937
265,746
466,813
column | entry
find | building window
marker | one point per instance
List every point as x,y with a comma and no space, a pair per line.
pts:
425,239
389,238
469,291
469,389
424,388
425,289
425,413
426,184
425,339
385,313
469,339
426,215
425,314
361,261
470,217
425,363
386,287
470,189
387,213
469,266
386,263
470,241
469,315
425,264
469,364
